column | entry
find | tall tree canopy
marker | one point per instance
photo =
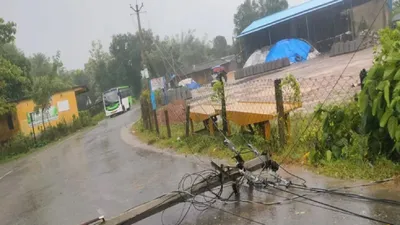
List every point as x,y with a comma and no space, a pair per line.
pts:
220,47
125,65
13,82
39,76
251,10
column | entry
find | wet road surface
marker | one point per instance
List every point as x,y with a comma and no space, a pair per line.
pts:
105,171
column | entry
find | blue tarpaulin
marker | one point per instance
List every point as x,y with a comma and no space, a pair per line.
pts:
193,85
294,49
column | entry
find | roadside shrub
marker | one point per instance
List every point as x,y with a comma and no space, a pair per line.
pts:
76,123
84,117
341,134
145,95
98,117
19,144
379,100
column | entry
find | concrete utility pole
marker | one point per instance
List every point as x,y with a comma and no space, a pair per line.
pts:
146,62
137,10
161,203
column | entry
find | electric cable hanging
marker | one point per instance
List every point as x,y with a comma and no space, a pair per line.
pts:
337,81
310,121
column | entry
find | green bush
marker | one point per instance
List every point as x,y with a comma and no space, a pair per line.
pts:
339,122
379,100
19,144
98,117
84,117
76,123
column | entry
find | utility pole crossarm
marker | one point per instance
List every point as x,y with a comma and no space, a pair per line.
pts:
168,200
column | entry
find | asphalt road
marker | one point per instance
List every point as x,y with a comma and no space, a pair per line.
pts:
105,171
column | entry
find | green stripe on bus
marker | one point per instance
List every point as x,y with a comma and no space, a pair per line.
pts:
112,107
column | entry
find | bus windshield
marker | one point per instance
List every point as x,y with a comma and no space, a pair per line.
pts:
111,97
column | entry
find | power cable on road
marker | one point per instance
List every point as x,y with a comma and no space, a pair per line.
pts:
334,207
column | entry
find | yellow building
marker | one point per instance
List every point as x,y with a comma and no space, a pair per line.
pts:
63,107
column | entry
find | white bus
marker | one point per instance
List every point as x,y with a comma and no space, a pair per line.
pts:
117,100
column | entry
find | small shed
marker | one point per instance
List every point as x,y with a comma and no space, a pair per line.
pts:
201,73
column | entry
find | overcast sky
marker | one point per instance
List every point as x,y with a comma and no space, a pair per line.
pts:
71,25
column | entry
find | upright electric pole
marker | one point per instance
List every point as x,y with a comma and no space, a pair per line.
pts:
146,62
137,10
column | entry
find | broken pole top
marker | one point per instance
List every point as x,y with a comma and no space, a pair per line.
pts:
168,200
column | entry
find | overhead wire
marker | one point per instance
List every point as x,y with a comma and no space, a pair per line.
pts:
337,81
212,200
335,207
164,58
208,201
335,191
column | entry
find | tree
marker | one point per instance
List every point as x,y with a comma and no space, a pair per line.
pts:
245,15
269,7
7,31
125,65
13,83
40,65
220,47
396,7
252,10
193,50
43,88
17,57
96,68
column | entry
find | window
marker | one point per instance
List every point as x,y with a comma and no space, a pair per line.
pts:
10,122
125,92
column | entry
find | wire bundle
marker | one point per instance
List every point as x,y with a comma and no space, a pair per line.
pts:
211,195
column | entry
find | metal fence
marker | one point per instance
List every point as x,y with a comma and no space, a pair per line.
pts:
280,106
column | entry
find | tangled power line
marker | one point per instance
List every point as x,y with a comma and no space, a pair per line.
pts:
206,200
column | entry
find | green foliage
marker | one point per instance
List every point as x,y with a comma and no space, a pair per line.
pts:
340,124
17,57
220,47
13,83
396,7
251,10
21,144
40,65
379,100
217,91
7,31
291,89
125,64
203,144
145,95
43,88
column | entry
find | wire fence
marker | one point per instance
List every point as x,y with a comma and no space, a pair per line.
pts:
253,105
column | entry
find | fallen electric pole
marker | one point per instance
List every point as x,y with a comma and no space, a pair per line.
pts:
168,200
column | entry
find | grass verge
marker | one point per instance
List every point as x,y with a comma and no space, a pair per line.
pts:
204,144
20,145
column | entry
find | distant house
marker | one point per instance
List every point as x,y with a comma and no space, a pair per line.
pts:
321,22
201,73
63,107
